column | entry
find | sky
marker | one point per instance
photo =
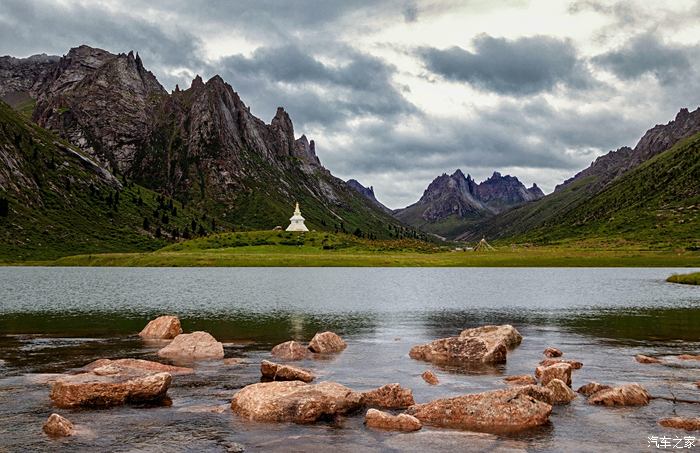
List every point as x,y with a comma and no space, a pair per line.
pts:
396,93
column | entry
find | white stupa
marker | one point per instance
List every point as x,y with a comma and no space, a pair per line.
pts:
297,221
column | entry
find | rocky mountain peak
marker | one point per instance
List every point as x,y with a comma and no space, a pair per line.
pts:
367,192
197,83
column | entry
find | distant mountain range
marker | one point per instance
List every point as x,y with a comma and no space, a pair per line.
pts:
452,202
98,156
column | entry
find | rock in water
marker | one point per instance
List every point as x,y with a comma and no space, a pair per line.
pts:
276,372
430,377
523,379
688,424
326,342
591,388
506,334
625,395
382,420
553,352
561,371
689,357
92,389
58,426
193,346
294,401
458,350
390,396
290,350
561,392
108,366
646,359
162,328
495,411
575,364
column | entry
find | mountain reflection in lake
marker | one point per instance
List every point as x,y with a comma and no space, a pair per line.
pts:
54,319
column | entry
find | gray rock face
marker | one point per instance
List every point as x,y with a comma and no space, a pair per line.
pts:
367,192
656,140
460,196
24,75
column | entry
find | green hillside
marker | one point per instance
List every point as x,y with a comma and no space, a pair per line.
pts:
55,202
657,204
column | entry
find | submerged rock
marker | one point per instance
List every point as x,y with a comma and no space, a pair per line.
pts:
624,395
58,426
495,411
277,372
688,424
523,379
646,359
689,357
430,377
162,328
193,346
116,388
506,334
561,371
294,401
591,388
326,342
553,352
382,420
290,350
561,393
390,396
575,364
105,367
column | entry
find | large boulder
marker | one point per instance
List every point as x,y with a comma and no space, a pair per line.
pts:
591,388
458,350
290,350
561,371
390,396
624,395
561,393
326,342
688,424
109,366
294,401
506,334
496,411
109,386
276,372
382,420
162,328
58,426
193,346
430,377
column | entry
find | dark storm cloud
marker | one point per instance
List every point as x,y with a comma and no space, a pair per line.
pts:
519,67
648,54
315,92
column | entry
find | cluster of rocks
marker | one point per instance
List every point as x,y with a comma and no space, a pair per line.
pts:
287,394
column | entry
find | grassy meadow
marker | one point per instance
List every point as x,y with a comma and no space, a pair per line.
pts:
686,279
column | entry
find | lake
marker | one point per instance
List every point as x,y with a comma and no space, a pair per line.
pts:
56,319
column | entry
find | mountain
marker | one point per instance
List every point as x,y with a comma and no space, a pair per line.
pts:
55,201
451,202
619,199
201,146
367,192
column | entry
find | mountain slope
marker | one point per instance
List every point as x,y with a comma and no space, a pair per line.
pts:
201,146
54,201
657,203
453,202
367,192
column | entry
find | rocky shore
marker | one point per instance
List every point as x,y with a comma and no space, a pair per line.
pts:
292,394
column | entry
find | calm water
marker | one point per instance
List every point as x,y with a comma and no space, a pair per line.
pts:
55,319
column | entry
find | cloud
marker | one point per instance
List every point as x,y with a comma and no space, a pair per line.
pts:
647,53
523,66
